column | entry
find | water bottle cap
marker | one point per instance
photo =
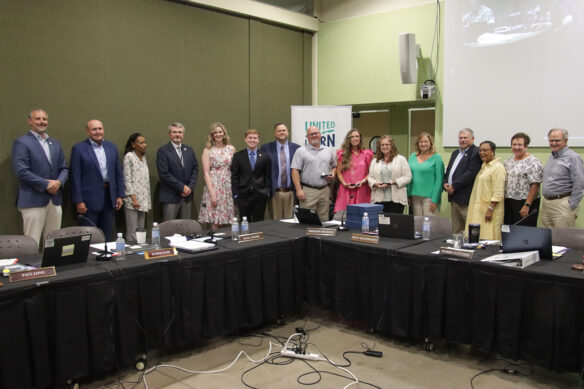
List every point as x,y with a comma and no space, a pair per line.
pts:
119,234
235,219
244,218
426,218
155,224
365,214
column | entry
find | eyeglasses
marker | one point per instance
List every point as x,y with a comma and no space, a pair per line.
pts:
556,140
313,134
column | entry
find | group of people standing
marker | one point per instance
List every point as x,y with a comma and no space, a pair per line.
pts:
480,188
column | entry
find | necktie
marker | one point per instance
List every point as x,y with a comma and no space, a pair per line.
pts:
179,151
283,173
252,159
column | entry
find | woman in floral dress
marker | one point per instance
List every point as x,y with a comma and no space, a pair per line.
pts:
217,202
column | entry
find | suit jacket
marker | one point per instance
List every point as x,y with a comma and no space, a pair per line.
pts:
33,169
173,175
247,184
464,175
86,179
273,149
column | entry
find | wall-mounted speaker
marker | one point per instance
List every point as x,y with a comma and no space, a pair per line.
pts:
408,64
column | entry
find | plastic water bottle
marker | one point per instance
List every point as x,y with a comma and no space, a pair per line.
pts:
244,226
365,222
155,235
120,247
426,228
234,229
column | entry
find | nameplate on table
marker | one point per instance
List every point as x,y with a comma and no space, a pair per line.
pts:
364,238
458,253
160,253
319,231
32,274
250,237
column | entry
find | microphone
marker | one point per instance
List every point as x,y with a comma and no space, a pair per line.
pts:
105,254
525,219
211,238
343,227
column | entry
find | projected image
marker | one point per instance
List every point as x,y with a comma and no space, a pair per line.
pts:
500,22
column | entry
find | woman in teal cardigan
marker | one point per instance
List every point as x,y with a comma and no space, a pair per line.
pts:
425,189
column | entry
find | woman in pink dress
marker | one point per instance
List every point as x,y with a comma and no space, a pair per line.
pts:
352,167
217,202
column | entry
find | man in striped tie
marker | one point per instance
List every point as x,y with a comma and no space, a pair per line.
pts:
281,151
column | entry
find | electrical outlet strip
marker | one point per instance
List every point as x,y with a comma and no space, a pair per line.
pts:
292,354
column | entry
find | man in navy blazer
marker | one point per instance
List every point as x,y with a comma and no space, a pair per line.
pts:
97,182
281,151
462,169
39,163
250,178
177,170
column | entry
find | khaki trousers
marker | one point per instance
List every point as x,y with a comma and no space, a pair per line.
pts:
317,199
557,213
39,221
281,205
421,206
458,216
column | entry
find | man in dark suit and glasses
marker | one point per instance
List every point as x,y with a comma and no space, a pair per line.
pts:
250,178
281,152
97,182
178,170
39,164
462,169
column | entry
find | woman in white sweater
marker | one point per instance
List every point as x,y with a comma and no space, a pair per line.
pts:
389,175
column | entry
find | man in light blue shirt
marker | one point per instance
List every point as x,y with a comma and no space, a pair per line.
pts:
563,182
281,151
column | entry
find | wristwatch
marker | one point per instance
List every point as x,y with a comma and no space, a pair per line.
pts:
527,205
491,208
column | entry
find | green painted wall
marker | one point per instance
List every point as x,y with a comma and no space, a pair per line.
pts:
138,65
358,65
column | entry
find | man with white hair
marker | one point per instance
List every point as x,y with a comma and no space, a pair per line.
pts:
563,182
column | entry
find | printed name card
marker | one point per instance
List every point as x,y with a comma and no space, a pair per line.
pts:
250,237
315,231
160,253
363,238
32,274
458,253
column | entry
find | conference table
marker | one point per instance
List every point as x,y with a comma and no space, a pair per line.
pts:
99,317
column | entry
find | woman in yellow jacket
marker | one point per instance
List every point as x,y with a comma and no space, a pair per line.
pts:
486,205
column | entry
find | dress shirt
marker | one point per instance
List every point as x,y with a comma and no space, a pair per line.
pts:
253,157
287,152
101,159
455,164
44,144
564,173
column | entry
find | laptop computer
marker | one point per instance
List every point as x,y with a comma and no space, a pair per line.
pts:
65,251
523,238
396,225
310,216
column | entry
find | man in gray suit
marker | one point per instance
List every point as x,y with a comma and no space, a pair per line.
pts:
39,163
177,169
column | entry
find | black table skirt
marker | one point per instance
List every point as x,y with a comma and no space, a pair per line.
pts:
99,318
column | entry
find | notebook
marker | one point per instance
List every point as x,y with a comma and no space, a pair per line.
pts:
522,238
396,225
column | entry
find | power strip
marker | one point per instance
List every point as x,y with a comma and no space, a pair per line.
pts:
292,354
